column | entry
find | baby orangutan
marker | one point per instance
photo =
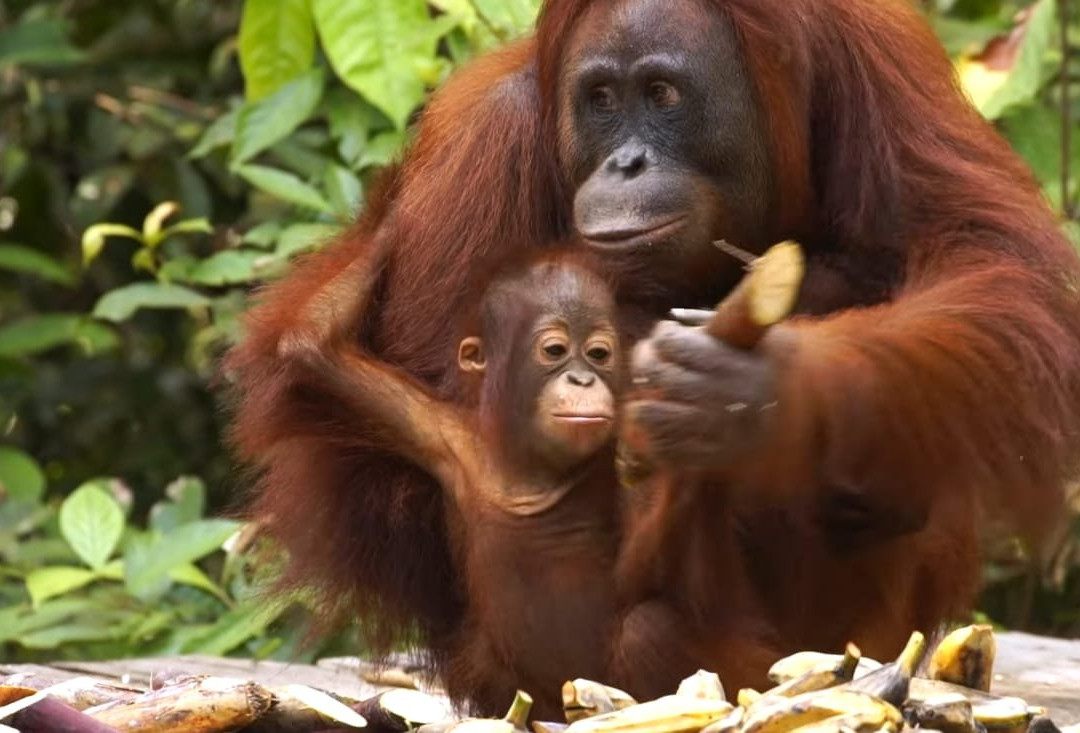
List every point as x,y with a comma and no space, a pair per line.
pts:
526,461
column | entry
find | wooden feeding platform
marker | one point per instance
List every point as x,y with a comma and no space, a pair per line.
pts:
1043,671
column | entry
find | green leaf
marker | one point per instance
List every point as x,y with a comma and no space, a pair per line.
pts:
93,239
18,258
221,131
21,478
155,220
512,17
39,333
263,123
235,627
91,521
230,266
343,188
186,544
46,583
1026,76
190,575
37,41
374,46
120,304
382,149
277,42
285,186
303,237
263,234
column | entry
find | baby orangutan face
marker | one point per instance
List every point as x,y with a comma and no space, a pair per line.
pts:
558,392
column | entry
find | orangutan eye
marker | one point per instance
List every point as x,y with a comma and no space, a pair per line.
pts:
552,349
602,99
663,95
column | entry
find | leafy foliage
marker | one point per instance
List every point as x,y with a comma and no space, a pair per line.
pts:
158,158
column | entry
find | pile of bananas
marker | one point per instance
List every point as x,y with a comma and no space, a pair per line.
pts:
814,693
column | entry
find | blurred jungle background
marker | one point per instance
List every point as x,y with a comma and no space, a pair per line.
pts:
158,159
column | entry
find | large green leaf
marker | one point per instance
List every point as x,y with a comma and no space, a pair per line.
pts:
1026,76
277,42
263,123
18,258
186,544
285,186
91,521
377,47
21,477
120,304
38,333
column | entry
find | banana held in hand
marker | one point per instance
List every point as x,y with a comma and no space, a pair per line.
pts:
966,657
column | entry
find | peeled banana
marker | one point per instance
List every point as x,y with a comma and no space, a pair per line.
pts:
966,657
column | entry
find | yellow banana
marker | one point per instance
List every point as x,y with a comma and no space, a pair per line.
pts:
800,663
668,714
966,657
783,714
842,671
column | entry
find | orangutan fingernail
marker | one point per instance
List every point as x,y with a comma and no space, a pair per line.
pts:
736,407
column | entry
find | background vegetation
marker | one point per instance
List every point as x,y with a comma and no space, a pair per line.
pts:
158,158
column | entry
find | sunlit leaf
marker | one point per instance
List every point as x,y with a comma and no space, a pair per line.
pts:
91,521
120,304
277,42
154,221
17,258
45,583
374,46
93,239
994,89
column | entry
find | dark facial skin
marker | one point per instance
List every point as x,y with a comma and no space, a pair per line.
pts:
662,136
563,371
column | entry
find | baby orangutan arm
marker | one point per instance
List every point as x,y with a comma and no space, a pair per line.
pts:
387,408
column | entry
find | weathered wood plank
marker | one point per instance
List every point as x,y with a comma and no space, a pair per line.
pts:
1043,671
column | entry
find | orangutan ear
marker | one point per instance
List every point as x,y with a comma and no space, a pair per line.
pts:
471,355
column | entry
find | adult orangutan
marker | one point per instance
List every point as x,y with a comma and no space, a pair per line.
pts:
931,376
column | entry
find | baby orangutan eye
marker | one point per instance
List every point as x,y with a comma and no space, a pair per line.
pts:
598,354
